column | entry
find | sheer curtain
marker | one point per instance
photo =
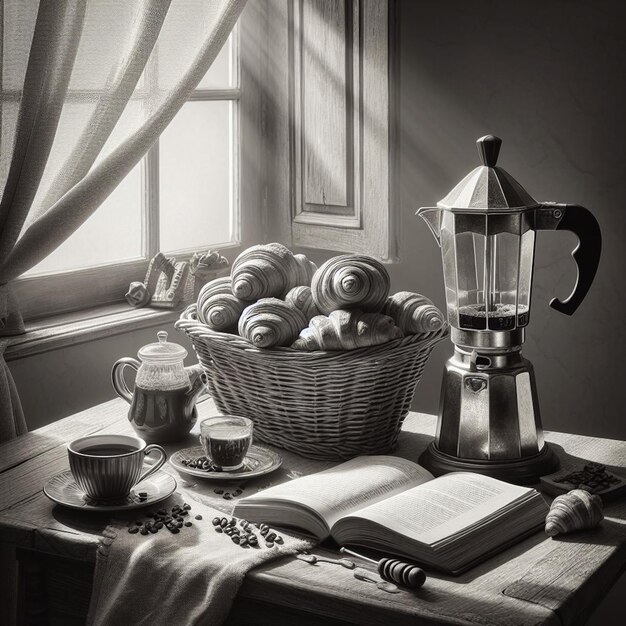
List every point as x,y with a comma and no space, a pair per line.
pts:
76,117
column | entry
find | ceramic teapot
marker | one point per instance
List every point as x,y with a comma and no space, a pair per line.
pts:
163,403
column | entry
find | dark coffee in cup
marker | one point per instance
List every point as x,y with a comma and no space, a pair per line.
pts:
107,467
226,440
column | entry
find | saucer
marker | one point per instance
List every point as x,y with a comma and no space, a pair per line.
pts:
258,461
63,490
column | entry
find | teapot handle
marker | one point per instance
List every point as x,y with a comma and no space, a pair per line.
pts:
581,222
117,377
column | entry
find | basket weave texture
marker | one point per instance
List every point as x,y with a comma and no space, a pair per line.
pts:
322,405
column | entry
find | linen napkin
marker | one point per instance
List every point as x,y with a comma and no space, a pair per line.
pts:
191,577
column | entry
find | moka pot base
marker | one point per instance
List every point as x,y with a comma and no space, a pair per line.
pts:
489,420
522,471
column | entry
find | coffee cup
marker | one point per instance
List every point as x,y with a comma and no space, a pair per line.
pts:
226,440
107,467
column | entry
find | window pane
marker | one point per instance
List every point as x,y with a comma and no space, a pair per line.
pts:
196,201
112,233
221,74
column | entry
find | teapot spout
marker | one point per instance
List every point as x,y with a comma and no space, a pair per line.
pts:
198,380
432,216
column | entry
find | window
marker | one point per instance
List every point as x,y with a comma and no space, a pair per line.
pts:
191,170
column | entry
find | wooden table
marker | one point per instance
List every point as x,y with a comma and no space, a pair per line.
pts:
539,581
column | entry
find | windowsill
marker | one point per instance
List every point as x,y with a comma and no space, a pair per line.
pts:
70,329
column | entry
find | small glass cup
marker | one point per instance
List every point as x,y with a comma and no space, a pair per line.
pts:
226,440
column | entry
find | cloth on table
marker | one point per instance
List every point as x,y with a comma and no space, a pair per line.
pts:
187,578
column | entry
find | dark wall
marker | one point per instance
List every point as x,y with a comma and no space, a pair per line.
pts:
549,79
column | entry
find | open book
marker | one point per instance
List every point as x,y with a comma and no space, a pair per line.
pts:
393,505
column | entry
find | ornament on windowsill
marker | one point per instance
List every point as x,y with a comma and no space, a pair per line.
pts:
170,283
204,267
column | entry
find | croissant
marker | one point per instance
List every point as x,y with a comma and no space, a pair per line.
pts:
350,281
269,270
413,313
347,330
306,269
572,511
271,322
217,307
302,299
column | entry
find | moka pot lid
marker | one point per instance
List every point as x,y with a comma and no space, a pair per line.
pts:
488,188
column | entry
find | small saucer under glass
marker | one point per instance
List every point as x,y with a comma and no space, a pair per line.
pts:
258,461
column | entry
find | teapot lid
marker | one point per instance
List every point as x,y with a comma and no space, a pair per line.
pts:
488,188
163,350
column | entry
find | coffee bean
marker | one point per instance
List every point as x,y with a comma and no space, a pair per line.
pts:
219,492
218,529
227,496
138,523
175,530
235,539
199,517
133,530
215,522
278,539
154,529
237,492
159,525
270,536
143,531
186,507
187,523
232,521
269,544
264,531
223,522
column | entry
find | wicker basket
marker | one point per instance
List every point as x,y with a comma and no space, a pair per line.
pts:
322,405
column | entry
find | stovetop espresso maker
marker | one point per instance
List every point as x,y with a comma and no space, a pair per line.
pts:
489,420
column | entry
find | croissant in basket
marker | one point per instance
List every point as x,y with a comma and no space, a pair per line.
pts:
350,281
302,299
271,322
269,270
347,330
413,313
217,307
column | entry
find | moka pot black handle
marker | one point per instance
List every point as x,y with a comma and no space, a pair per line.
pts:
580,221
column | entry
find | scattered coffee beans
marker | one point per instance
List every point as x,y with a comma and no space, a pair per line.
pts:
593,478
201,463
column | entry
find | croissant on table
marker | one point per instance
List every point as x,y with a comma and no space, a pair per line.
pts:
347,330
269,270
413,313
575,510
302,299
271,322
217,307
350,281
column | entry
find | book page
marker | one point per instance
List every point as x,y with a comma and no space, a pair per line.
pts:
347,487
443,507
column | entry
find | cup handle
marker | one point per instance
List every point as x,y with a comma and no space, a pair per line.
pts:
158,465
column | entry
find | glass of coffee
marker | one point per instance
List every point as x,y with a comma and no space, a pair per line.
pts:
226,440
107,467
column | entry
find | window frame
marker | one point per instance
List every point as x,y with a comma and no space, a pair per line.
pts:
52,293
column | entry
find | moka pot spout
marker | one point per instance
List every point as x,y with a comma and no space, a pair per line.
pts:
432,216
